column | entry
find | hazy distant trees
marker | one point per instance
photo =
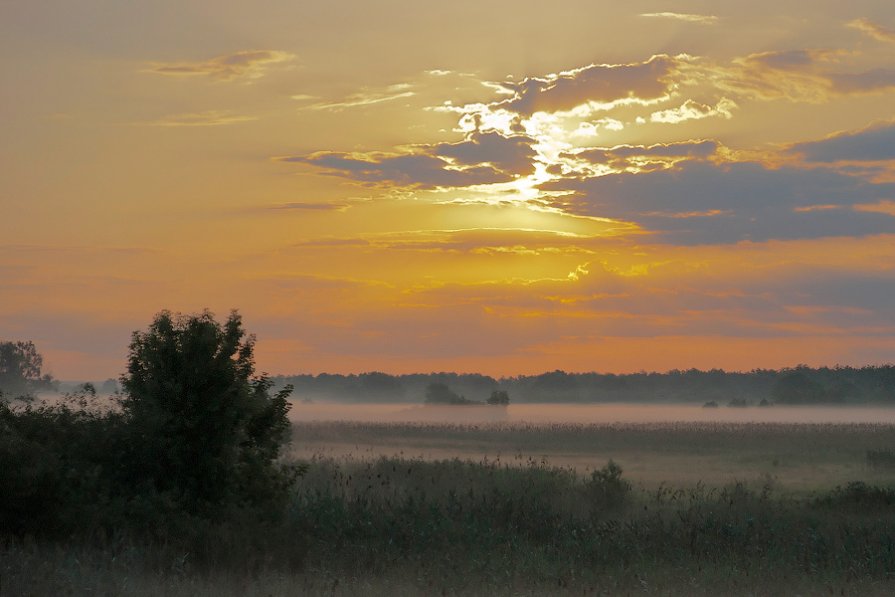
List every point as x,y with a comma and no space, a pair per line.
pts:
499,398
848,385
110,386
20,370
440,393
795,387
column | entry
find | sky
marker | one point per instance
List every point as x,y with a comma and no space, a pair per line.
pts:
504,187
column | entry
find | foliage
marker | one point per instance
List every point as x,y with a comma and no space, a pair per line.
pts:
20,370
796,387
194,441
56,462
207,430
499,397
872,384
440,393
606,488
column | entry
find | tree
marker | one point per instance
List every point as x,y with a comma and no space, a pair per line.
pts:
499,397
795,387
440,393
206,429
20,370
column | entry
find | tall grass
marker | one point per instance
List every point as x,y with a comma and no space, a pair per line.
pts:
401,525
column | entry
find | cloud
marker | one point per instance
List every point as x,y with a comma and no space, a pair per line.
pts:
596,83
207,118
512,154
874,143
692,110
362,98
678,16
409,170
642,157
481,158
329,243
787,59
658,152
699,202
798,75
878,79
310,206
250,64
874,30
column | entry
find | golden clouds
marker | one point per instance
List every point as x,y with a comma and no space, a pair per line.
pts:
874,30
206,118
692,110
249,64
685,17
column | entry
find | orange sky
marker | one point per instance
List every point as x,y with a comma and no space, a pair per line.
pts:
501,187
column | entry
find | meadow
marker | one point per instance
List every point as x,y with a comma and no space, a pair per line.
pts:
519,508
798,458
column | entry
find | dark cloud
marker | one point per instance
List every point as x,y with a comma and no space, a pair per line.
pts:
786,59
482,158
701,202
513,155
595,83
411,170
874,143
685,149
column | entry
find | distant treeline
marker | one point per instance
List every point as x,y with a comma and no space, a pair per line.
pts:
798,385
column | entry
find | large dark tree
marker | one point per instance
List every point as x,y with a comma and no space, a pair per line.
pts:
20,370
206,429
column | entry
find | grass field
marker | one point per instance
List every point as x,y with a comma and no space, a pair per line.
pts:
798,458
521,509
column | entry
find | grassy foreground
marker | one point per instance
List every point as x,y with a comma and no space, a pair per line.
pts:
407,526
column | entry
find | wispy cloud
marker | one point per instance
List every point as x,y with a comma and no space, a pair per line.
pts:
250,64
360,99
693,110
310,206
679,16
207,118
874,30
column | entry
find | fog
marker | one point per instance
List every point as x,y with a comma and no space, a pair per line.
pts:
587,413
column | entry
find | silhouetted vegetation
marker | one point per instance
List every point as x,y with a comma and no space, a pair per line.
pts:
499,398
181,476
799,385
440,393
193,441
20,371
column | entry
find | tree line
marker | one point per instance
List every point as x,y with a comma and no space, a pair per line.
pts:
793,385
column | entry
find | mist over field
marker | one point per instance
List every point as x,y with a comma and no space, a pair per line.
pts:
586,413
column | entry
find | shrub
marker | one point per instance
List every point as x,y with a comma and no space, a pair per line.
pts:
205,428
606,489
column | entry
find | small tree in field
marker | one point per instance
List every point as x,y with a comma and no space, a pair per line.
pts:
205,429
499,398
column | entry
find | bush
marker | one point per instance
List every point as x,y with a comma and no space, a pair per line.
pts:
205,429
606,489
193,441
